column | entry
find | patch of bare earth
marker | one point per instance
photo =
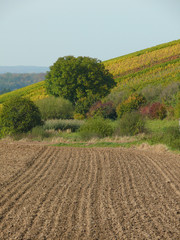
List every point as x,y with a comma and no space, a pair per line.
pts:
88,193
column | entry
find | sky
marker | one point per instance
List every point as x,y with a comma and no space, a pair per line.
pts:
38,32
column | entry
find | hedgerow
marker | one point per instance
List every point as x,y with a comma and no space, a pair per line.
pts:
55,108
96,127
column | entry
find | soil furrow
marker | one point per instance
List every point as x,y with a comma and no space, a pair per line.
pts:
168,177
65,201
73,200
29,174
168,165
150,217
93,214
135,201
88,193
36,224
26,183
141,198
101,209
43,226
80,222
10,183
85,207
115,221
26,193
119,195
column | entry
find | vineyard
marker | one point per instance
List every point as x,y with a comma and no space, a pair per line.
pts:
144,59
34,92
159,65
162,74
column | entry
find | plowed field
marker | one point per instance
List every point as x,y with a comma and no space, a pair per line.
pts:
88,193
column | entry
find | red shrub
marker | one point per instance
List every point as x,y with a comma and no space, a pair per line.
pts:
157,111
144,111
105,110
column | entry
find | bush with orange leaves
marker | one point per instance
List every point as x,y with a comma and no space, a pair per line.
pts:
134,102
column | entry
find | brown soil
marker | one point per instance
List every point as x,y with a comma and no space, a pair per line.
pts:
88,193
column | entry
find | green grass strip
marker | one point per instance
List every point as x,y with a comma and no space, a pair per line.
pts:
98,144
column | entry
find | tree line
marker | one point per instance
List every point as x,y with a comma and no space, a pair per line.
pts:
13,81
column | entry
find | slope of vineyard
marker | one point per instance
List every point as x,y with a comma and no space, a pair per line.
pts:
160,74
34,92
143,59
159,65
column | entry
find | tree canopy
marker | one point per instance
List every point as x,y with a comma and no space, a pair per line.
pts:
75,78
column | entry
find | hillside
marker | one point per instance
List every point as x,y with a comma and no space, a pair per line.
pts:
34,92
156,66
12,81
143,59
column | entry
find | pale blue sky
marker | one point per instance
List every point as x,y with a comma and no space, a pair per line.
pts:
37,32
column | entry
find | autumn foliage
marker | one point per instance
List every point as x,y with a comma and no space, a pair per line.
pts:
134,102
157,111
105,110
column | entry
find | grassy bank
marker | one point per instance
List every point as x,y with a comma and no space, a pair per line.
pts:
164,132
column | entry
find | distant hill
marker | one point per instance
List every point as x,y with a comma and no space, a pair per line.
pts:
152,67
12,81
23,69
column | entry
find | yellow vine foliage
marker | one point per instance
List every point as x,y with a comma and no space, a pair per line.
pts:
122,65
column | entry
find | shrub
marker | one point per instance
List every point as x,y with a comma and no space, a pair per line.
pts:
169,94
104,110
170,112
130,124
83,104
151,93
177,111
117,97
55,108
144,111
134,102
78,116
170,136
157,111
19,115
62,124
39,132
96,127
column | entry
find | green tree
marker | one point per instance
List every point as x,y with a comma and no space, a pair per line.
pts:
75,78
18,115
